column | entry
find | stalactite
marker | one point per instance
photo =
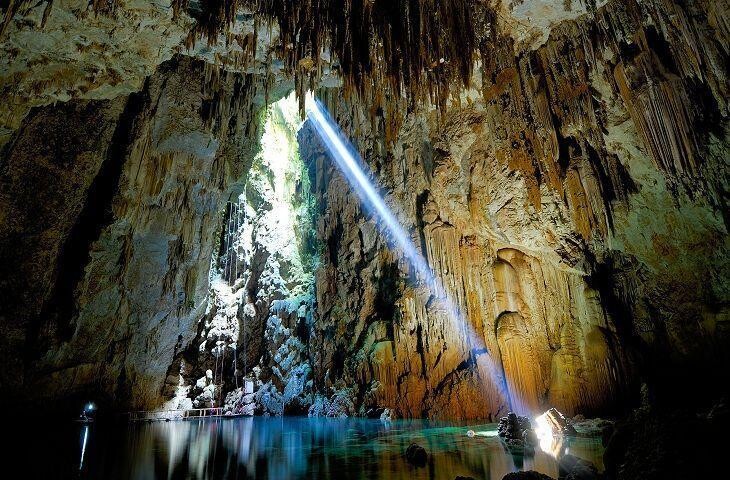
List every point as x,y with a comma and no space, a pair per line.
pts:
228,255
392,54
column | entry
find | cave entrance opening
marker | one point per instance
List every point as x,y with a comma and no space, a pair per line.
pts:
249,353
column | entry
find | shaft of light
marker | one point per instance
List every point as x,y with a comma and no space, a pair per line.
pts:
346,157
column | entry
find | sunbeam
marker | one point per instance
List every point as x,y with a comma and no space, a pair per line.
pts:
348,160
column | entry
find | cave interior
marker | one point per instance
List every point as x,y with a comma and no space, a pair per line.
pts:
490,237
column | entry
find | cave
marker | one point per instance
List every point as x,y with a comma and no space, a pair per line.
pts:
289,239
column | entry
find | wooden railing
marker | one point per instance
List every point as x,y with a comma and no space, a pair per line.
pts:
151,415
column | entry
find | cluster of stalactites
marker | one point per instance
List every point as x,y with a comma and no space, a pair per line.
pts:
386,51
392,54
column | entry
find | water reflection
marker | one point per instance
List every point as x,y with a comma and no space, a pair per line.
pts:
294,448
84,441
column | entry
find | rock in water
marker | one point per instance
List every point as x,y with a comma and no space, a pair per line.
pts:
559,423
528,475
416,455
513,425
517,433
574,468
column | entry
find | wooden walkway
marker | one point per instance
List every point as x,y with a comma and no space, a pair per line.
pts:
190,414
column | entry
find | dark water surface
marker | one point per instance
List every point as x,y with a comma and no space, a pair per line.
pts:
278,448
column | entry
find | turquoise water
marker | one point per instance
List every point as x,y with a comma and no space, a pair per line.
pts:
286,448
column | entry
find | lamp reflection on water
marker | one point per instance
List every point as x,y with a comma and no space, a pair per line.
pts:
84,441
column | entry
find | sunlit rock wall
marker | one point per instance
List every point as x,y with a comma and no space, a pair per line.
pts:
110,213
574,209
258,322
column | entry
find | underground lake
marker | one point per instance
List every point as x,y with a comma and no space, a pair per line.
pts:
399,239
287,448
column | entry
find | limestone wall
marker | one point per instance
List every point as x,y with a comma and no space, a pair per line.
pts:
573,206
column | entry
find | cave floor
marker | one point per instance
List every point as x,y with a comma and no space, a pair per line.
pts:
289,447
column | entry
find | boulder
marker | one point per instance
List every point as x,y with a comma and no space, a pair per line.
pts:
517,434
512,425
574,468
559,424
416,455
528,475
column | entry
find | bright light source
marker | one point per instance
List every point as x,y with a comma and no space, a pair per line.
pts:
90,407
549,442
347,159
543,428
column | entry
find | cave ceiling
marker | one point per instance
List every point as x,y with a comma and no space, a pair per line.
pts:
384,53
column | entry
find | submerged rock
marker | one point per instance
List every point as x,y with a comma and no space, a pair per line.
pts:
528,475
416,455
574,468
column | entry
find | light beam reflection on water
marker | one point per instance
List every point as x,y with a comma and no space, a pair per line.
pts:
85,439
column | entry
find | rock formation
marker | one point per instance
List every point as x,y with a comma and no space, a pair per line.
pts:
561,165
259,317
574,206
109,225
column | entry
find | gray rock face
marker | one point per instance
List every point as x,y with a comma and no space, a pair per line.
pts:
126,226
257,326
